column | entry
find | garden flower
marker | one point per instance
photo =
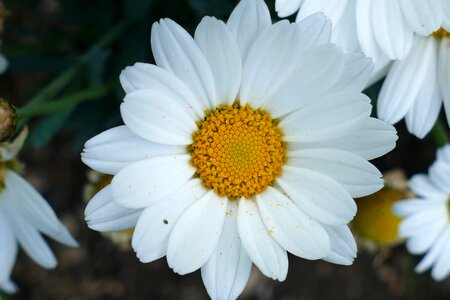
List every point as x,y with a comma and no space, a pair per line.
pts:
416,86
242,144
24,217
427,224
409,34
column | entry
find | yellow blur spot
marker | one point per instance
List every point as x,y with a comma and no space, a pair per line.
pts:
375,220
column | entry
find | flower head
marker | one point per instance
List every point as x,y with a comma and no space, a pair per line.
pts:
427,217
413,33
244,143
24,217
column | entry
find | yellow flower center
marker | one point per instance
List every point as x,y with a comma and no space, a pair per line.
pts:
441,33
237,151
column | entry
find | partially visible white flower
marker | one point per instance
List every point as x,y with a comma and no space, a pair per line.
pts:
417,85
427,224
245,142
382,29
24,217
403,30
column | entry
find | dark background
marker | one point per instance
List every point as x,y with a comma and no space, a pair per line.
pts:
44,38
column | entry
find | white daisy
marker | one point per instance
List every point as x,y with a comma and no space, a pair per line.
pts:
382,29
24,217
417,85
403,30
244,143
427,224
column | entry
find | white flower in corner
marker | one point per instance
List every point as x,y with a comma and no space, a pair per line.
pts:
416,86
24,217
244,143
383,29
427,218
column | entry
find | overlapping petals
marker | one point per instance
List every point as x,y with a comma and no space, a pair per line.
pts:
24,217
291,71
426,224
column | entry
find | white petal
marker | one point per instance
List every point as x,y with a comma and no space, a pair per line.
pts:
36,210
344,30
8,286
270,258
343,245
358,70
439,175
413,206
157,118
176,51
365,29
355,174
445,14
28,236
146,182
8,247
247,21
433,254
441,268
227,271
420,218
316,29
152,231
443,73
374,139
423,17
196,234
103,214
327,119
271,61
443,154
424,112
318,195
223,55
390,29
290,227
150,77
317,70
421,185
421,235
116,148
286,8
333,9
405,80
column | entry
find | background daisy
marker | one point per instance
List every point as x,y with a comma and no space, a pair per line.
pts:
427,224
24,217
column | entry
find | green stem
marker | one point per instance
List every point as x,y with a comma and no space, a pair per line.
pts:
33,109
3,296
440,134
51,90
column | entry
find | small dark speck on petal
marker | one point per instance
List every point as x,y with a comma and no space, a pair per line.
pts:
165,221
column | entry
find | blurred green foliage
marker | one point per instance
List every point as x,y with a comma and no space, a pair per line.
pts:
50,37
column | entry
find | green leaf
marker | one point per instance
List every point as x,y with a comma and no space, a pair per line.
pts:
47,128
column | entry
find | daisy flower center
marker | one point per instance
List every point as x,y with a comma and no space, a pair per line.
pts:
441,33
237,151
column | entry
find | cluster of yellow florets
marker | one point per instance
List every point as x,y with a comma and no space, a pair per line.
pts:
238,151
441,33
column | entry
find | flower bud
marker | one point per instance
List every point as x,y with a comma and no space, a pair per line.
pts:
8,120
